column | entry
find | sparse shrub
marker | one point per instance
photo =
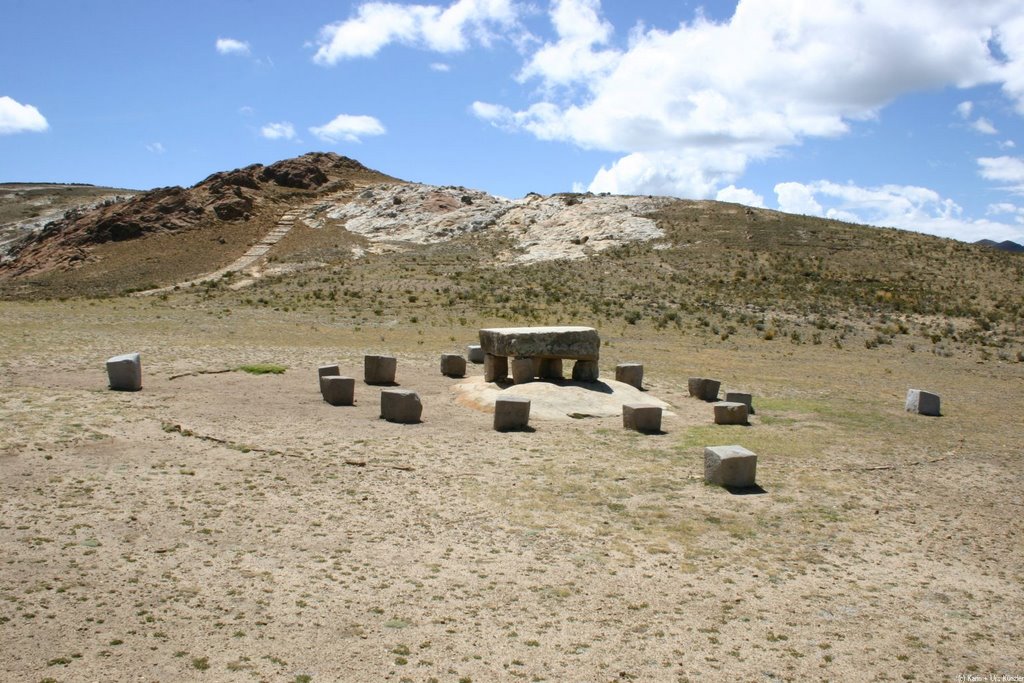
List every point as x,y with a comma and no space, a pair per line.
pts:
262,369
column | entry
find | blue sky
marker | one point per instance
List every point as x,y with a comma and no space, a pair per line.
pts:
906,114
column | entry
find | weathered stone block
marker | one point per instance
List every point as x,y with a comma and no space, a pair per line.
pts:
578,343
923,402
475,353
495,368
738,397
338,390
512,412
641,417
550,368
325,370
730,413
523,370
630,373
730,466
400,405
124,372
453,365
704,389
585,371
379,369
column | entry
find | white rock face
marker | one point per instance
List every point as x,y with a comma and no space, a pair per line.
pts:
543,228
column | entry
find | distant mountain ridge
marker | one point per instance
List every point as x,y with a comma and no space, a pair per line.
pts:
1005,245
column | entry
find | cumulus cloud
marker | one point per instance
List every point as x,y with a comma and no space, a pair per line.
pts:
440,66
1009,170
449,29
1006,208
348,128
16,117
775,73
740,195
983,125
231,46
900,206
278,131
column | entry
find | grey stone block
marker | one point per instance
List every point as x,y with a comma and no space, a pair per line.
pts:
580,343
703,388
338,390
585,371
475,353
641,417
730,466
738,397
325,370
630,373
124,372
923,402
730,413
512,412
523,370
495,368
550,368
453,365
400,405
379,369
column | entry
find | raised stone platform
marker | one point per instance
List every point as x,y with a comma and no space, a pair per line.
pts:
538,344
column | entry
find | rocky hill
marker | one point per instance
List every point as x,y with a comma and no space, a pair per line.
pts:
1005,245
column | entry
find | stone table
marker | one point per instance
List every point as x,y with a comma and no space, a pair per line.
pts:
545,347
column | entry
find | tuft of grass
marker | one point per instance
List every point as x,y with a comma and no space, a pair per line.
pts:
262,369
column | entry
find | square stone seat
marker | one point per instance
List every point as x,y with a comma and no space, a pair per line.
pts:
641,417
510,413
923,402
124,372
732,466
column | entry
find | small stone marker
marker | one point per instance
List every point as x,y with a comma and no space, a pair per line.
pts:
585,371
400,405
630,373
453,365
475,352
325,370
730,466
923,402
523,370
379,369
730,413
338,390
737,397
495,368
510,413
641,417
704,389
124,372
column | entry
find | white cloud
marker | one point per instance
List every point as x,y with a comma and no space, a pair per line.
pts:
156,147
348,128
20,118
1003,169
777,72
983,125
441,67
691,173
900,206
964,109
278,131
1006,208
230,46
740,195
378,24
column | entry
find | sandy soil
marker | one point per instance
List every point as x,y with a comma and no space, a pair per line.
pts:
235,527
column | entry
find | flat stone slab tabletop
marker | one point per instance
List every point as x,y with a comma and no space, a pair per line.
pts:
576,343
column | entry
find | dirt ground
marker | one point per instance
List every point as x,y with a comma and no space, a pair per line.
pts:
225,526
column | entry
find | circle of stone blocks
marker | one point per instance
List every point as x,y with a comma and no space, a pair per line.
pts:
453,365
124,372
738,397
495,368
338,390
922,402
641,417
325,370
475,352
704,389
585,371
550,368
523,370
510,413
400,405
730,466
730,413
379,369
630,373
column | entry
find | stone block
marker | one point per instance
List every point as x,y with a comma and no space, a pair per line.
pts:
585,371
475,353
379,369
923,402
124,372
338,390
641,417
738,397
577,343
325,370
400,405
512,412
730,466
495,368
704,389
453,365
730,413
550,368
630,373
523,370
